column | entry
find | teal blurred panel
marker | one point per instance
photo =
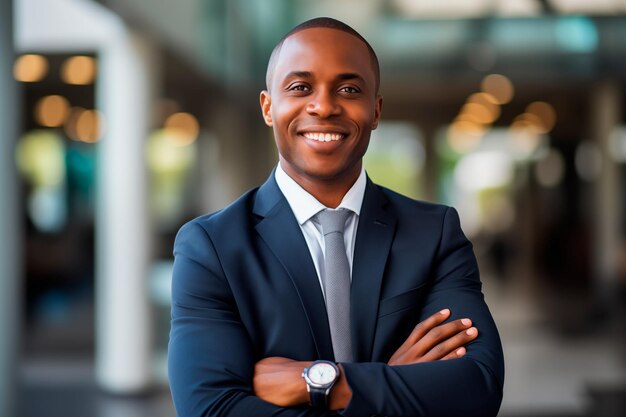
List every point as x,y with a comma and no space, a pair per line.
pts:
239,35
577,34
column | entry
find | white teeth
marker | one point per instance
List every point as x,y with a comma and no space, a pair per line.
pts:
323,137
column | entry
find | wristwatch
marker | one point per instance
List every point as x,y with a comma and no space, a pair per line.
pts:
320,378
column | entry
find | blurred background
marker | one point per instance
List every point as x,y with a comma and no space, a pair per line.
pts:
122,119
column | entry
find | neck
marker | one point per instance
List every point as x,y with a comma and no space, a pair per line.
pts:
328,191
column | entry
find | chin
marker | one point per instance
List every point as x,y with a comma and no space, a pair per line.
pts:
326,174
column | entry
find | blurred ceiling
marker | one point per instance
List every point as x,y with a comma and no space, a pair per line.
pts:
429,49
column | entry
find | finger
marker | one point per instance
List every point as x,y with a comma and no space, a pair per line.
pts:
458,353
451,345
439,334
426,325
402,353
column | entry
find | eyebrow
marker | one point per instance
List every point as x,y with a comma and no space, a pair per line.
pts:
308,74
350,76
299,74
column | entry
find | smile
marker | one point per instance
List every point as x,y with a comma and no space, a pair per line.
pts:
323,137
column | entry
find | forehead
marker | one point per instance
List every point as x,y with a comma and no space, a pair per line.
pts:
330,50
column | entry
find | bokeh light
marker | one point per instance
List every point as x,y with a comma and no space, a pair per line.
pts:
71,121
480,112
524,137
30,68
464,136
544,112
89,126
499,87
486,100
531,122
79,70
588,161
182,128
484,170
165,156
550,169
52,111
40,158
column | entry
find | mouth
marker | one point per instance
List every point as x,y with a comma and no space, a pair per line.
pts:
324,136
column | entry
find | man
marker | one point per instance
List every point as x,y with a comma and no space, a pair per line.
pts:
266,297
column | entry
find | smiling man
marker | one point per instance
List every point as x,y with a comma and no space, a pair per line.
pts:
321,292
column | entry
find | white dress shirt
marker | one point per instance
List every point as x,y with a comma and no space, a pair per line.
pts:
305,207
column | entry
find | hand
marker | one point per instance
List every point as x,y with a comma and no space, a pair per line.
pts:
279,381
431,340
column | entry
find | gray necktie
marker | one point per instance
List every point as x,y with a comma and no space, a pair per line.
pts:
337,281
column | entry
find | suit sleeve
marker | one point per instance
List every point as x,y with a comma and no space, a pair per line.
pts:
469,386
210,356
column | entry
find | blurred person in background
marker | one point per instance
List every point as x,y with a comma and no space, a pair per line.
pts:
320,291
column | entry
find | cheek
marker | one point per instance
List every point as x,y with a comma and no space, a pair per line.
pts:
284,112
280,123
364,115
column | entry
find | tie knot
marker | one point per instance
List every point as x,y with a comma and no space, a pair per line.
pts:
333,220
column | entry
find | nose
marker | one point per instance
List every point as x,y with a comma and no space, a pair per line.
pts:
323,104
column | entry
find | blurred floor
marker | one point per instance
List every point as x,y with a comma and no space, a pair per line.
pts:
549,373
67,388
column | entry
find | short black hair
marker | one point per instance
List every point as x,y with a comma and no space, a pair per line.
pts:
322,22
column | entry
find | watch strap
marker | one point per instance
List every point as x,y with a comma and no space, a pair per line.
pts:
319,398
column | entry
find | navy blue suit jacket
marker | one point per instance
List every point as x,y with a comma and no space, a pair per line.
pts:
245,288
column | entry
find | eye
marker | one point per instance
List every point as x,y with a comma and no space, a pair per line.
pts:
298,87
349,89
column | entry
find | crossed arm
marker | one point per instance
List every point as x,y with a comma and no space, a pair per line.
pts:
279,380
210,377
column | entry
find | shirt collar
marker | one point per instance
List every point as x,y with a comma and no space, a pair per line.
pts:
305,206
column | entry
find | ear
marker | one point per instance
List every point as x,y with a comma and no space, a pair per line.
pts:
377,109
266,107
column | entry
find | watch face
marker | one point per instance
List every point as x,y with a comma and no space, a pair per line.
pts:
322,373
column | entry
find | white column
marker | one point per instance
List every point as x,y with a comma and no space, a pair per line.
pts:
10,219
124,336
606,113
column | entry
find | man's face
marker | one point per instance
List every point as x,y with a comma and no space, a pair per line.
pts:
322,104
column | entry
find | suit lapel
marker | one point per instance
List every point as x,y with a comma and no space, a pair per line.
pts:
279,229
373,242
